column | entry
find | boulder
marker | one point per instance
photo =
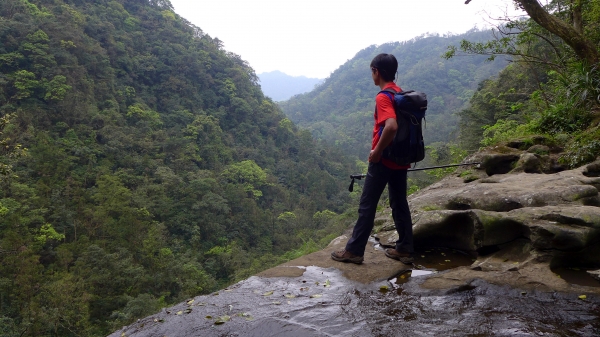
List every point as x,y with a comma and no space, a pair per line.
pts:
541,150
556,214
528,163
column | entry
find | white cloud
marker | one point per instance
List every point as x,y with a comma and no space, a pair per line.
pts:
314,37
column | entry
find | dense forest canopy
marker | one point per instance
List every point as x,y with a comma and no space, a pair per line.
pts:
141,164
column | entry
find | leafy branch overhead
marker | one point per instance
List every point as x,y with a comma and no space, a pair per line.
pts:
568,20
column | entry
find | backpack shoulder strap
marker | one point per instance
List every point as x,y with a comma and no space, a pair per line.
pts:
390,90
390,93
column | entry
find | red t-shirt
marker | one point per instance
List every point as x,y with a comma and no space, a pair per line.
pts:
384,109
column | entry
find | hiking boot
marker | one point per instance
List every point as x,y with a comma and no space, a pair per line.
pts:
346,256
405,258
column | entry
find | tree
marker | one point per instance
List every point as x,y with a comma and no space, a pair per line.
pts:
572,34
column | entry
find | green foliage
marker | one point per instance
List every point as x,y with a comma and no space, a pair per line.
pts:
155,167
572,98
551,89
506,98
444,154
584,148
504,131
247,174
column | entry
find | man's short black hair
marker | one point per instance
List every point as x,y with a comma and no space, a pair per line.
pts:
387,66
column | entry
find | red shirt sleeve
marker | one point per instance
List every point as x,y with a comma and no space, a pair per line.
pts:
385,109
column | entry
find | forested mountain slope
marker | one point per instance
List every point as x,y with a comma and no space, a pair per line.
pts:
155,169
341,109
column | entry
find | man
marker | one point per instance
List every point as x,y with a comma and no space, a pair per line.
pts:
382,171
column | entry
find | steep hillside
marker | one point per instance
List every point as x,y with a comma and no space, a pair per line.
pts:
341,110
280,86
155,167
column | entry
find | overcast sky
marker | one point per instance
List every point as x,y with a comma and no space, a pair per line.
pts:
314,37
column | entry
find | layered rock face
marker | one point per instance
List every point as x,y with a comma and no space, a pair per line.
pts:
513,220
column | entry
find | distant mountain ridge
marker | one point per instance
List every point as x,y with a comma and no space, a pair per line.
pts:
280,86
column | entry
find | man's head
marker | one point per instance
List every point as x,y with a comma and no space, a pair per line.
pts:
386,65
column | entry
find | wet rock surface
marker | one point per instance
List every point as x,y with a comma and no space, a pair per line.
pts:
497,254
324,303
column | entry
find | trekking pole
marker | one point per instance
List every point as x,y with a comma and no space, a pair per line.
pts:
360,176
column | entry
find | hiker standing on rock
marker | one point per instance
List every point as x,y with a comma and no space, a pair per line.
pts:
382,171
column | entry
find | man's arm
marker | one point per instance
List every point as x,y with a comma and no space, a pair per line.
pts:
389,131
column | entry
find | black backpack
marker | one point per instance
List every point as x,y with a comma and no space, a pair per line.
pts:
407,146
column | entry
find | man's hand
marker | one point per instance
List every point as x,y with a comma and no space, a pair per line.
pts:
374,156
389,131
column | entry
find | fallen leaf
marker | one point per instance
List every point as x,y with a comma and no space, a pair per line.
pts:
225,318
327,284
187,311
384,288
422,255
276,303
219,322
447,260
288,295
582,297
268,293
179,312
190,302
317,283
316,296
208,317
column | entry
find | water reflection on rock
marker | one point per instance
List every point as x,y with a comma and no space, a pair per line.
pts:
288,307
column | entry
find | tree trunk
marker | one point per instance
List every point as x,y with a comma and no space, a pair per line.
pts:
583,48
576,8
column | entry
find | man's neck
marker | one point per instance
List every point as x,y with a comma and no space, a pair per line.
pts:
384,84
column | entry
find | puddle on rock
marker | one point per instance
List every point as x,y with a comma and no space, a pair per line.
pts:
431,261
442,259
576,276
